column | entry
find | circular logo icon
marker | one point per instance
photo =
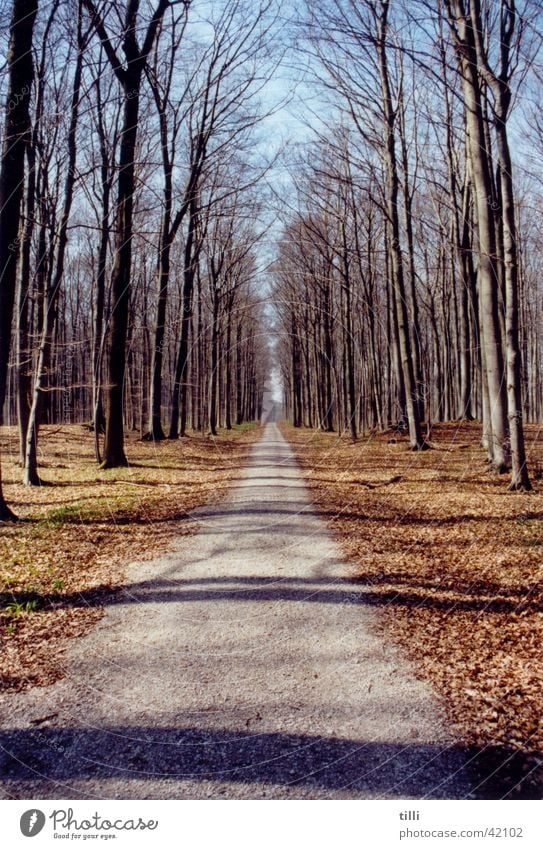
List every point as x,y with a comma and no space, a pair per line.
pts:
32,822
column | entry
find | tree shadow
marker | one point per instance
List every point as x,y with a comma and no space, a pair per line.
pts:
51,758
314,590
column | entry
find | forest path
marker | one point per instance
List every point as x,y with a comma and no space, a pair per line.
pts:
244,664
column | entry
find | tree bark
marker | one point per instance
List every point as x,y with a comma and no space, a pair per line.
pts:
416,439
30,475
16,138
487,268
130,78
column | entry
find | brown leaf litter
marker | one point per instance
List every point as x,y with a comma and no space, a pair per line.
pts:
81,528
455,563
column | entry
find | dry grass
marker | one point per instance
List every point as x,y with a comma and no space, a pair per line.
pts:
81,529
455,562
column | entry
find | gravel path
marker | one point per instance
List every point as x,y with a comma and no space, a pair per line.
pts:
244,664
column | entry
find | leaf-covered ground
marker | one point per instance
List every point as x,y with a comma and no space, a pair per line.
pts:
79,530
455,562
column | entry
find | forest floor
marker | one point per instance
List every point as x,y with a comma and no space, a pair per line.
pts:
265,656
79,530
242,663
455,563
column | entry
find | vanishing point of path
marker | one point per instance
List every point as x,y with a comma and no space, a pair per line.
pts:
244,664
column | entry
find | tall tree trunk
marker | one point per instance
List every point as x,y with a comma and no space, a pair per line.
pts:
24,354
411,391
98,340
296,373
178,420
30,475
488,279
411,290
130,77
467,285
506,225
114,454
328,356
16,138
228,365
239,373
155,425
519,471
214,376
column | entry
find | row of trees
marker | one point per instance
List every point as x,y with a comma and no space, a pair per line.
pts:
130,218
406,277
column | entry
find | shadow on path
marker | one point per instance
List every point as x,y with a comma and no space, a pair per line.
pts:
199,755
479,597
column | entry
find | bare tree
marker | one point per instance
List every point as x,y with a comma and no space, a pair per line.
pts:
130,74
499,82
16,139
463,26
53,284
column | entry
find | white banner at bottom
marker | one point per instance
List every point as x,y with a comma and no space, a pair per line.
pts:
214,824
